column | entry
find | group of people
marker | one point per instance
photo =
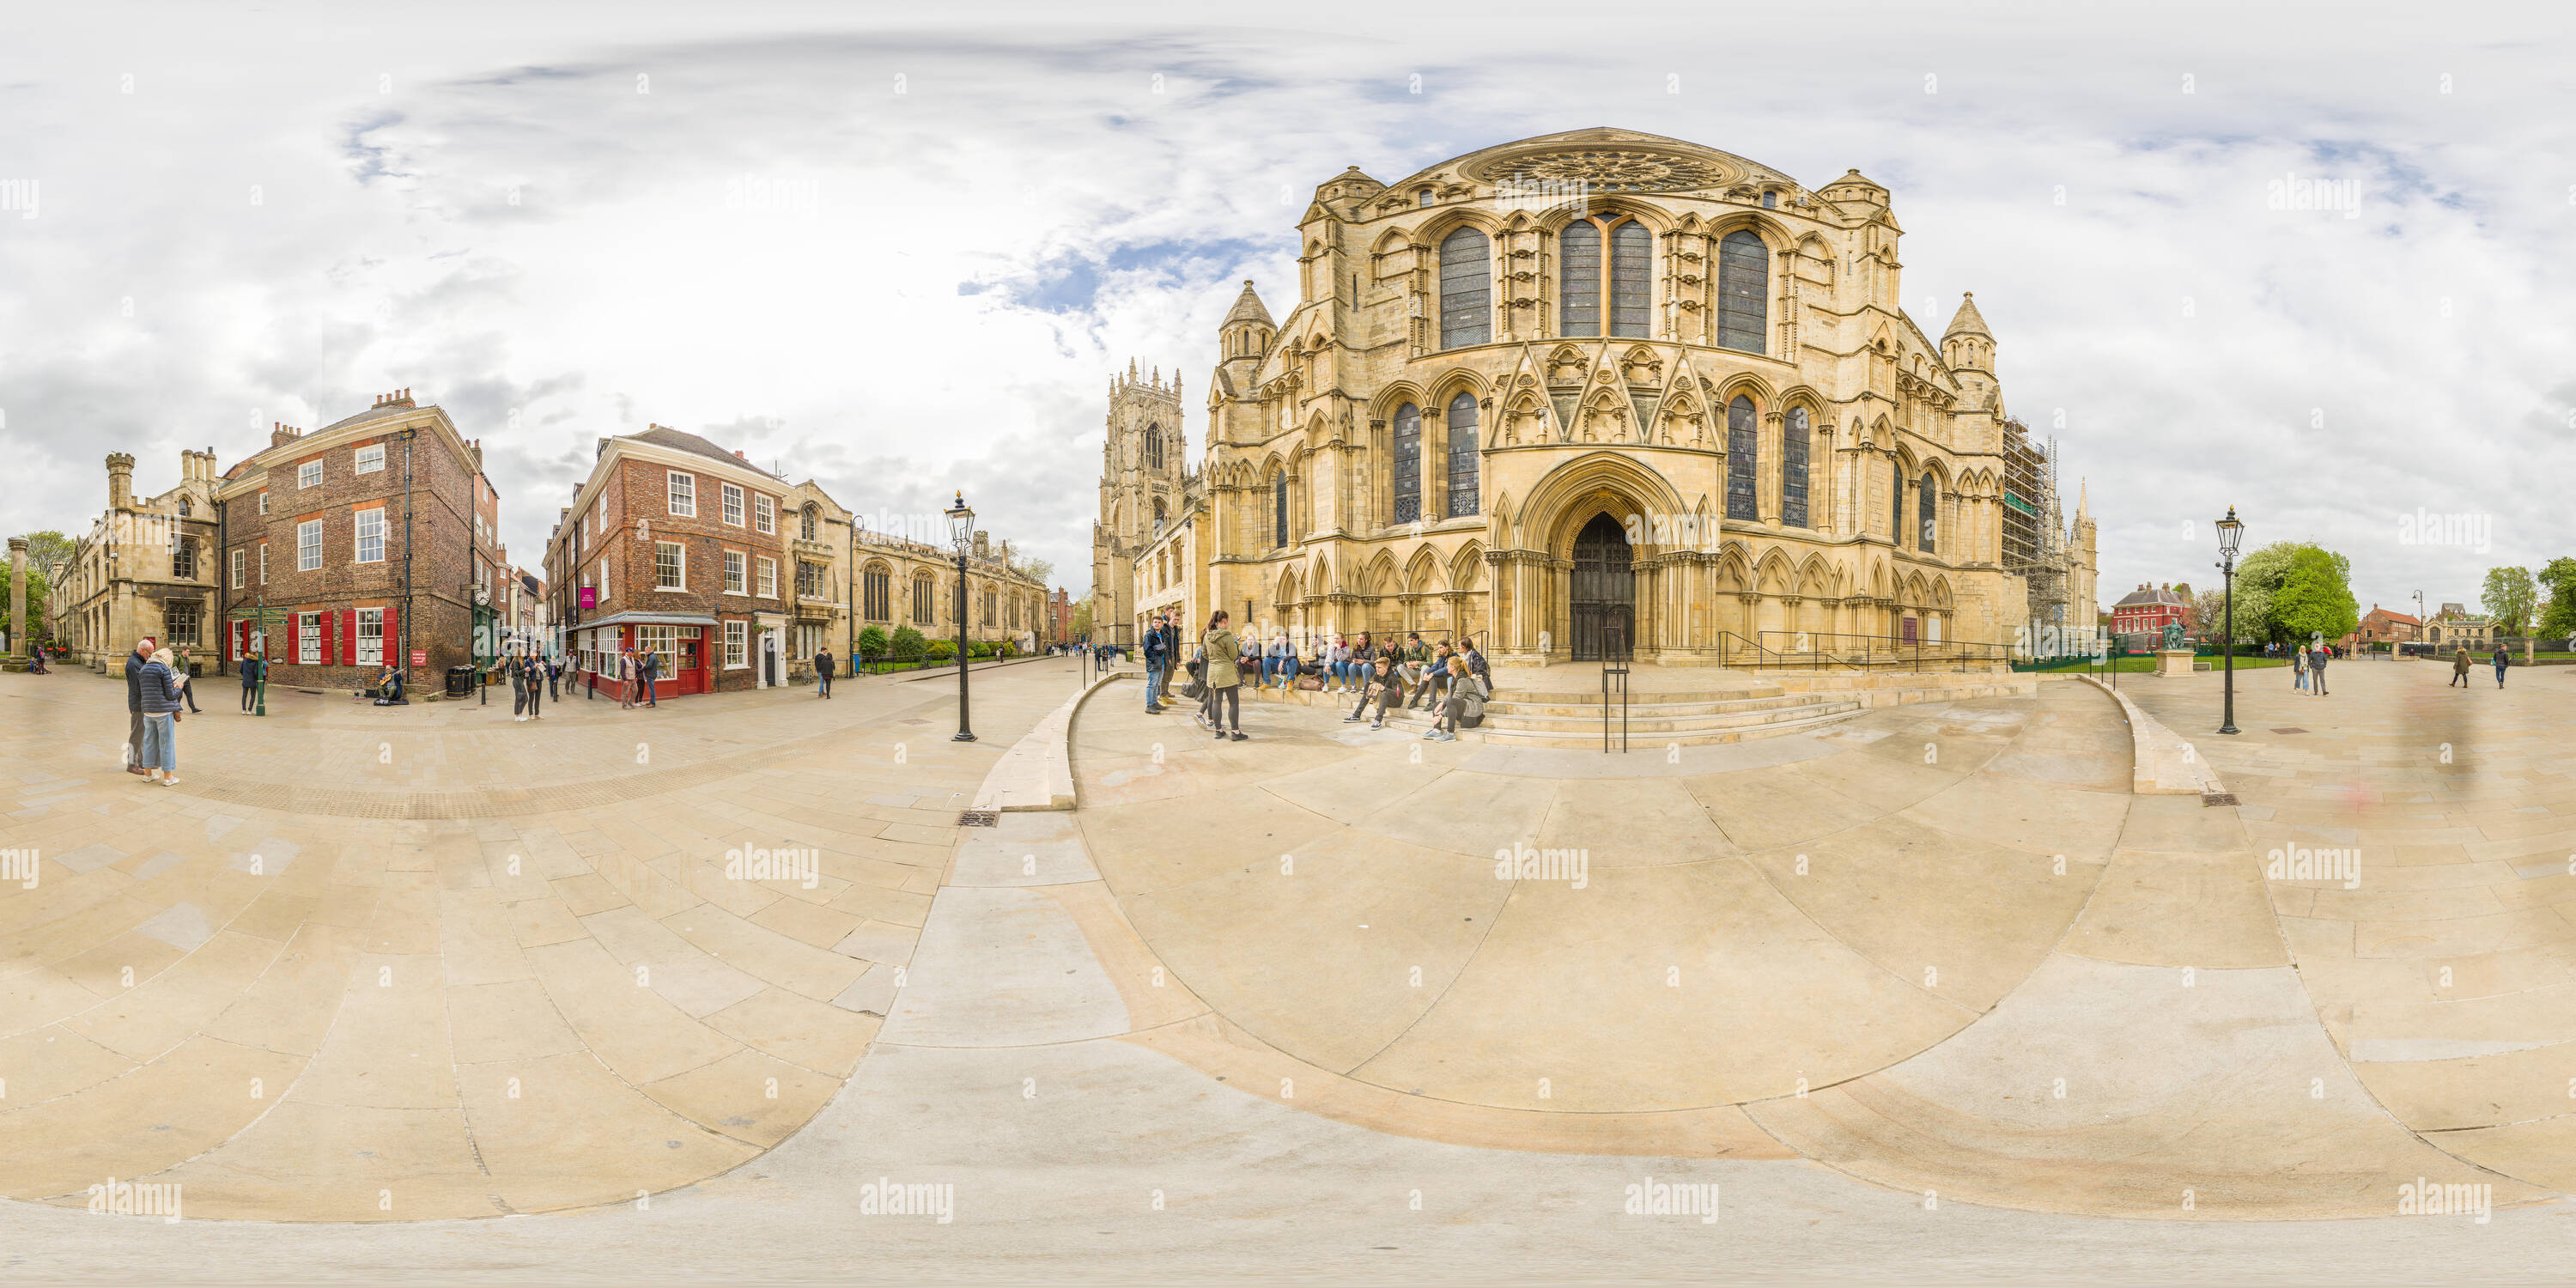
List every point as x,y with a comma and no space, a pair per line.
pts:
2460,664
1451,681
156,687
2308,668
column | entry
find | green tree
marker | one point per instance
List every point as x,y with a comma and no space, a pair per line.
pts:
2259,578
907,644
37,588
2558,577
2315,597
1081,627
1032,567
49,549
872,642
2508,597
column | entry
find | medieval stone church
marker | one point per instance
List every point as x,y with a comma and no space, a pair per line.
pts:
1592,394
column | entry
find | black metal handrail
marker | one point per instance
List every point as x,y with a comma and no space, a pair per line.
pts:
1608,670
1898,649
1761,653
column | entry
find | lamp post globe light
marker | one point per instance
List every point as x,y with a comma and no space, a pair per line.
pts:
961,534
2230,531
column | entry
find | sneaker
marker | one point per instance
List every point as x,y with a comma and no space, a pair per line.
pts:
1352,718
1377,724
1240,736
1430,733
1443,735
171,781
1220,735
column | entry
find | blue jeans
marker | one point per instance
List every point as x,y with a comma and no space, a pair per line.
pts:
1153,682
160,743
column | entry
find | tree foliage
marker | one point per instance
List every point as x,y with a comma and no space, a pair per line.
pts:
2508,597
2558,577
2261,578
907,644
872,642
2315,597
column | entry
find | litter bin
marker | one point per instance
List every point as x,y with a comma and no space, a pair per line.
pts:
460,681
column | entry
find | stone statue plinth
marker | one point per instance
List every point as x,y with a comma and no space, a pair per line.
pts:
2174,661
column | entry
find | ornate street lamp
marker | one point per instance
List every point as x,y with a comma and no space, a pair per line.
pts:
2230,531
961,534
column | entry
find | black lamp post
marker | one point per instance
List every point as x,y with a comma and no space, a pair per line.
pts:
961,534
2230,531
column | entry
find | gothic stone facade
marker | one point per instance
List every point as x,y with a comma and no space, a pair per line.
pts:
1583,390
146,567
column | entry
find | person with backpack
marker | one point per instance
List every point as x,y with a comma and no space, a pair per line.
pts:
2502,660
1224,678
1465,701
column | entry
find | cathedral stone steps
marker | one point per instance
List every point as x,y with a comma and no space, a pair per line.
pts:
1587,734
1589,706
1562,721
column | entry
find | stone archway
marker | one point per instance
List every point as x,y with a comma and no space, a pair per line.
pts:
1601,606
1534,592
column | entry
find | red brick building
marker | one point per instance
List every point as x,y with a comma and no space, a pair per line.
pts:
1059,617
372,540
2139,618
674,546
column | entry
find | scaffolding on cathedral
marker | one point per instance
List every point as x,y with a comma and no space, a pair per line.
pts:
2034,528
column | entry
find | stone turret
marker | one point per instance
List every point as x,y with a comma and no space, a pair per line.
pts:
120,480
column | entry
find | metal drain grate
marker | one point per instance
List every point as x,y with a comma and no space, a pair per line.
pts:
2217,798
979,818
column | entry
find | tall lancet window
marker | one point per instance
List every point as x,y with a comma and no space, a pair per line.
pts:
1279,508
1928,512
1743,451
1793,469
1743,287
1583,269
1466,290
1408,463
1463,445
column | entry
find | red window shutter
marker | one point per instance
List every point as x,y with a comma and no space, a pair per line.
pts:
393,639
328,637
349,636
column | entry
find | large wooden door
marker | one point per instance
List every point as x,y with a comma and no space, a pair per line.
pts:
1604,601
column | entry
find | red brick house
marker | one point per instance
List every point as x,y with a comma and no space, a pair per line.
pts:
370,541
2380,626
2140,616
675,546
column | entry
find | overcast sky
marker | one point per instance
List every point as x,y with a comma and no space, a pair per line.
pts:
900,249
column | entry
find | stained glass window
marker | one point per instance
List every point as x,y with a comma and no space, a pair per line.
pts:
1743,283
1466,290
1793,469
1408,463
1578,248
1742,449
1463,445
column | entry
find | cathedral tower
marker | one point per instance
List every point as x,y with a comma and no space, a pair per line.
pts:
1140,490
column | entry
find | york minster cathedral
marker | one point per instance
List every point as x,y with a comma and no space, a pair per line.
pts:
1595,394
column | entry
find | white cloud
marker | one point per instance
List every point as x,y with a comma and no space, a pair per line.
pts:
904,294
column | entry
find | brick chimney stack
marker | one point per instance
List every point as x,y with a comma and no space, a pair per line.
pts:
280,433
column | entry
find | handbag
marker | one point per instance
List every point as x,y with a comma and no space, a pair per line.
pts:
1194,690
1311,682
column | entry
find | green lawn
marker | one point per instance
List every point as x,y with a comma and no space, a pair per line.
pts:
2138,665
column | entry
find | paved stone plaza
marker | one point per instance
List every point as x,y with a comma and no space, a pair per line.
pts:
1926,992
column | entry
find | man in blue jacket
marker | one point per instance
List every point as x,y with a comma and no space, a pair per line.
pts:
1158,658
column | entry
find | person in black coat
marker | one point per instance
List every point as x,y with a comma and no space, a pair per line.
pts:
134,664
253,669
823,674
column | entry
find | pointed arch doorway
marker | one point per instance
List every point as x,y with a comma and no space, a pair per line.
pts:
1604,598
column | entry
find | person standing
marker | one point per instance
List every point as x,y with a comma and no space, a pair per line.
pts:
515,670
823,674
649,666
186,665
625,679
554,672
2502,660
535,669
1158,659
2459,669
2317,669
2299,670
253,668
135,661
159,692
1224,677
